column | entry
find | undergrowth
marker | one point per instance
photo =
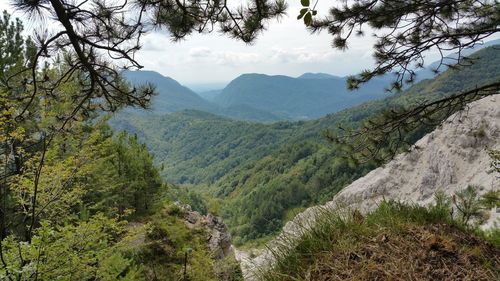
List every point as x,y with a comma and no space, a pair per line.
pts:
396,241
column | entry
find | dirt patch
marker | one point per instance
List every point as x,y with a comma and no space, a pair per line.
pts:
436,252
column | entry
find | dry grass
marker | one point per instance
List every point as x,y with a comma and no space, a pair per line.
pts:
395,243
437,252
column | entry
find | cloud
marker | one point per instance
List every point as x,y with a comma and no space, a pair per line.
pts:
302,55
286,47
200,52
155,42
204,54
237,58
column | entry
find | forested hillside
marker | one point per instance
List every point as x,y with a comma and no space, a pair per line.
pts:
171,96
258,97
262,173
298,98
111,173
80,201
197,147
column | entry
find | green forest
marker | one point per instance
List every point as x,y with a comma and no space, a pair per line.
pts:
258,176
98,210
109,172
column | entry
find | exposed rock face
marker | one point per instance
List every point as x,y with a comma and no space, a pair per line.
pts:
449,159
219,239
219,242
452,157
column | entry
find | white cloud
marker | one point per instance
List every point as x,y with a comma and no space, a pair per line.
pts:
302,55
155,42
200,52
204,54
285,48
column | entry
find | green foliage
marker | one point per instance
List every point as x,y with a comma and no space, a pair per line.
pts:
467,203
407,30
68,189
307,13
257,173
161,246
71,252
189,196
90,183
419,110
180,143
491,199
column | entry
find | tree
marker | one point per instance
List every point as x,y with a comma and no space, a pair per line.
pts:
97,38
63,172
405,31
468,203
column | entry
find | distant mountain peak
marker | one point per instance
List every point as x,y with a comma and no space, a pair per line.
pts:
260,75
309,96
319,75
148,76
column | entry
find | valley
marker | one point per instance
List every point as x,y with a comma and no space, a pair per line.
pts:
258,176
299,140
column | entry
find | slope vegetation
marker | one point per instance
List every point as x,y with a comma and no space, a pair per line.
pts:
172,96
260,174
452,161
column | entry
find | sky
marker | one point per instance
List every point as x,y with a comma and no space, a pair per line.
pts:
285,48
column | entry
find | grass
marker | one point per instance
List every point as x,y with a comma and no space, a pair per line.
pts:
395,242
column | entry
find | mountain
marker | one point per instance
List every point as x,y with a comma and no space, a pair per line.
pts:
261,174
199,147
300,98
172,96
209,95
250,97
308,169
263,98
448,160
429,73
310,75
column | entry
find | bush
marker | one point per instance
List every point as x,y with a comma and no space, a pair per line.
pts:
467,203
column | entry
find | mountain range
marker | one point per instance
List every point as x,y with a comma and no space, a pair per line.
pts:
260,97
306,97
258,175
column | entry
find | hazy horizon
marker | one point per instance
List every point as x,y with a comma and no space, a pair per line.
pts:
286,48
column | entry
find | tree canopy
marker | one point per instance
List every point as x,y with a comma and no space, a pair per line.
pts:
77,200
406,31
96,38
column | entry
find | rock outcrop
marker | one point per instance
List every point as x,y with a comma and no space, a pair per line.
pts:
218,240
449,159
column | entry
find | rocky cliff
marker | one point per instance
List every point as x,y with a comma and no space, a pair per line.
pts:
449,159
218,242
219,239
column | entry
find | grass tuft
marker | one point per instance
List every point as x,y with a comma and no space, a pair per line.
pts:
396,241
